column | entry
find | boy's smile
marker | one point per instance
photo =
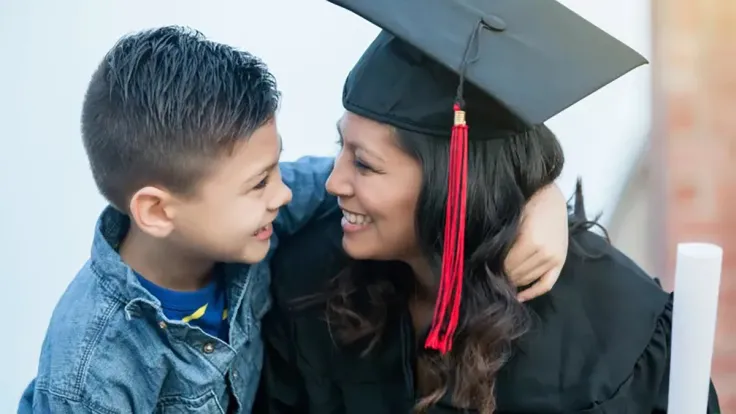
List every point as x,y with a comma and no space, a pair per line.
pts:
264,233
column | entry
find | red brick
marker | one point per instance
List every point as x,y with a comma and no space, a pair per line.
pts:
687,17
724,364
724,343
688,152
726,397
729,259
720,78
722,20
681,114
726,318
698,229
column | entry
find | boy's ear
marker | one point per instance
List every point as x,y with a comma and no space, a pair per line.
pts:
152,210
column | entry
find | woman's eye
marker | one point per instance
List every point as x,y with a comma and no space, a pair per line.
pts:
361,166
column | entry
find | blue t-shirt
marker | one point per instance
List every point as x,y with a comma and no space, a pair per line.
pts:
205,308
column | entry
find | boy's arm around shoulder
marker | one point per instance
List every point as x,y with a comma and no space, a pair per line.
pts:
306,177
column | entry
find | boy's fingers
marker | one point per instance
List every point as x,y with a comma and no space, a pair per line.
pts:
531,275
529,270
542,286
517,259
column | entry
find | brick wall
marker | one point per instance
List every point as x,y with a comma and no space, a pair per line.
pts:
694,148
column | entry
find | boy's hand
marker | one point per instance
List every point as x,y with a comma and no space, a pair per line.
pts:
540,250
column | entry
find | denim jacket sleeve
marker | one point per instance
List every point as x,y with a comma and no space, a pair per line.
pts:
306,178
36,400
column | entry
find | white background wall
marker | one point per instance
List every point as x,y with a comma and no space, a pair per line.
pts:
48,50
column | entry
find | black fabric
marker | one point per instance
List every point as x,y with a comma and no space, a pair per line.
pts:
524,62
600,342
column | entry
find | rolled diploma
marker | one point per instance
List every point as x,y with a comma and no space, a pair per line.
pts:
697,280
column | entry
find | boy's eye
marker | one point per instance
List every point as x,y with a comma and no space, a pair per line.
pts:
262,184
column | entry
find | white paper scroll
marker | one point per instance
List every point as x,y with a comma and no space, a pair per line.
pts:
697,280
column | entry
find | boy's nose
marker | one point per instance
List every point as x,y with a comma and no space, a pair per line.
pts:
286,195
281,197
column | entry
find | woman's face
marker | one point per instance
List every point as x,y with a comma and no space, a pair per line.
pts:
377,186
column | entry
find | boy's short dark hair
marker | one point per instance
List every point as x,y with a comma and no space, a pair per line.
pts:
164,104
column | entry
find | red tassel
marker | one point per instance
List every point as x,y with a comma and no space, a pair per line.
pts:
447,306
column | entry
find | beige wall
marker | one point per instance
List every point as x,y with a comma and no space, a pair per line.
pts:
630,228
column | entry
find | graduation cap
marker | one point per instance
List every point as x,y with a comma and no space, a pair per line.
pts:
505,65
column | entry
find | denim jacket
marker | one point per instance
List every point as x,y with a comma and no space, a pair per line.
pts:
110,349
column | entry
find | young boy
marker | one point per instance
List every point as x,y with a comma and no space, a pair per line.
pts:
165,316
182,140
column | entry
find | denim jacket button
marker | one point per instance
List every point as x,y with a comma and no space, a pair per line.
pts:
162,324
208,348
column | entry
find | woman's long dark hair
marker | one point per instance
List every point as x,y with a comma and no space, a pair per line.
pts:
503,175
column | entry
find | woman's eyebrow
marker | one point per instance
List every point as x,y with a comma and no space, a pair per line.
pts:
367,151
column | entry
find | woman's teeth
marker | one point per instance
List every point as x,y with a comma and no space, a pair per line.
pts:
358,219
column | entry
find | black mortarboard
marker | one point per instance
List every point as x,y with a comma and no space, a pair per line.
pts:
507,64
527,59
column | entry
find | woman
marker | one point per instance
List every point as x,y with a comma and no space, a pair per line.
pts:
400,324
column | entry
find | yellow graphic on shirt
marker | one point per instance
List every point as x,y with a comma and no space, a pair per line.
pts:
196,315
224,314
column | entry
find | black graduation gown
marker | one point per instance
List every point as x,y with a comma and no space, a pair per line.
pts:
599,344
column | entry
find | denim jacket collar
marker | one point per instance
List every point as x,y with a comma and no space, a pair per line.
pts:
115,276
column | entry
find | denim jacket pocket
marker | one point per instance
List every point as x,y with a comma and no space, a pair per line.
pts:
206,403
